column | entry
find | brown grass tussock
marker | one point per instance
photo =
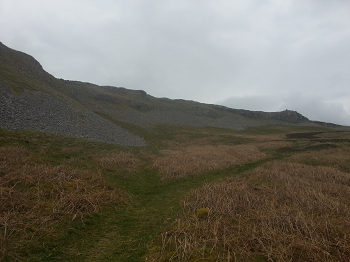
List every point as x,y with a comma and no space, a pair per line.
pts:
118,160
280,212
34,197
196,159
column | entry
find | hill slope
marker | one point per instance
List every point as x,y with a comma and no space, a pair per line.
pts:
31,98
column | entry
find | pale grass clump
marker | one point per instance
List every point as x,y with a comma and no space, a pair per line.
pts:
280,212
335,157
34,197
195,159
247,153
119,160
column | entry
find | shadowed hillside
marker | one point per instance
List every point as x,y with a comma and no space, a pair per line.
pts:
33,99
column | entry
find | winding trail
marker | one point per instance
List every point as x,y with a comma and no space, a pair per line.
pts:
127,235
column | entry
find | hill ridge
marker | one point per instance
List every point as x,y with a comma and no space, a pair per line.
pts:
31,98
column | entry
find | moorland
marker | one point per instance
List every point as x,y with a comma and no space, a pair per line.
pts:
101,173
270,193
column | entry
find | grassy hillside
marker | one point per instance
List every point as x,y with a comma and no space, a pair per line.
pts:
22,75
198,190
271,195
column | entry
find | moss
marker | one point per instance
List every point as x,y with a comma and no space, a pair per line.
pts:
202,213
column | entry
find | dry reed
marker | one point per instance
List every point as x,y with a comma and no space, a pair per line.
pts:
280,212
335,157
195,159
33,197
118,160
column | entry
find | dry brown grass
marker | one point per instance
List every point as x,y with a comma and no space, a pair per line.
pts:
263,138
335,157
118,160
280,212
335,135
218,138
34,197
196,159
267,145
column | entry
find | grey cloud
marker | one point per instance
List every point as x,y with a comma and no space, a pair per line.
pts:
313,107
254,51
255,103
319,109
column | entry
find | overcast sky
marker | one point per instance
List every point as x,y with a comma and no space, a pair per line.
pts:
266,55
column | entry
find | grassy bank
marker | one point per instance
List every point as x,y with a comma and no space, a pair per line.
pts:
67,199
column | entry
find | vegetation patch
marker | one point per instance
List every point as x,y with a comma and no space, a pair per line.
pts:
334,157
63,199
35,197
195,159
118,161
278,212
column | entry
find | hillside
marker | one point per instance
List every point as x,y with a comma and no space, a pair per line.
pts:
161,180
272,195
33,99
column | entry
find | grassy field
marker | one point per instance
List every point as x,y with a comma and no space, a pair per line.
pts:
263,194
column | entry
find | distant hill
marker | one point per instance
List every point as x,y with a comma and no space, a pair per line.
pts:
31,98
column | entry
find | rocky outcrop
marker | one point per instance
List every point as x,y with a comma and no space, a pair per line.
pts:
40,111
286,115
290,116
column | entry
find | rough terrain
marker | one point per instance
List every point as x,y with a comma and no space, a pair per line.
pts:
31,98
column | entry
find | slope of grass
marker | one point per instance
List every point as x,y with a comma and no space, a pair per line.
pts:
138,206
293,209
280,212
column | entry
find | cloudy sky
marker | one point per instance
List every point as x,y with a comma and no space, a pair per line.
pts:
266,55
